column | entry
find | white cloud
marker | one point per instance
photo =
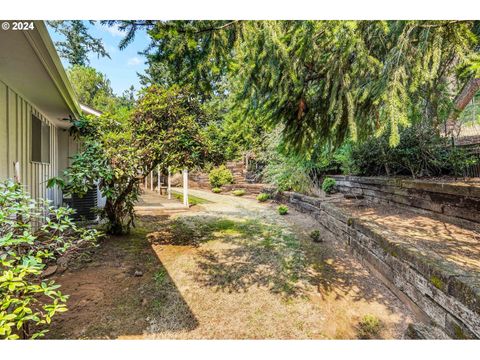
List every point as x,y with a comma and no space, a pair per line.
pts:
134,61
113,30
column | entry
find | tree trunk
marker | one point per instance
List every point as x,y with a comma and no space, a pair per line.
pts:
115,226
465,96
461,102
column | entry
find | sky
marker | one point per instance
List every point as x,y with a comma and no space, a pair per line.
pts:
124,65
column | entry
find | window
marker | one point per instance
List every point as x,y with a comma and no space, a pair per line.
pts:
40,141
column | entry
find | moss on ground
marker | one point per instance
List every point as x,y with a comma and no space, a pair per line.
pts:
437,282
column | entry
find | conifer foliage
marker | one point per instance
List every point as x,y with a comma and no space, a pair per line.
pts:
325,81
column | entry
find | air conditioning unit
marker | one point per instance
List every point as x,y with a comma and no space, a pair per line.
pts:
85,206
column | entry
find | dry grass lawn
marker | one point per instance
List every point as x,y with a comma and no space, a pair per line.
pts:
226,272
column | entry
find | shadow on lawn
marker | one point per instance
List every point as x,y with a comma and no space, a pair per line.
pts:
108,298
259,254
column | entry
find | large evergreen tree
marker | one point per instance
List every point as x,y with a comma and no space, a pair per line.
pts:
325,81
77,42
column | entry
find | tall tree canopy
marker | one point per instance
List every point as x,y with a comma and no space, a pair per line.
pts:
93,89
325,81
77,42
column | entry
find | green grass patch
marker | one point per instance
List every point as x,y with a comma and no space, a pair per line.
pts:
160,276
192,200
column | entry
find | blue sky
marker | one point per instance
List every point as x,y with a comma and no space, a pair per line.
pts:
124,65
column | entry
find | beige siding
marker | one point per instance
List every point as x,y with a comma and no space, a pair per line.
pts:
15,145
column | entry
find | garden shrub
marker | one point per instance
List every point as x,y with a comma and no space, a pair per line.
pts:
286,171
421,152
315,235
369,327
282,209
337,162
328,185
216,190
220,176
262,197
288,175
32,234
239,192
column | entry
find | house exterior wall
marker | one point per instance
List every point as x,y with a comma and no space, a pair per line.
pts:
16,145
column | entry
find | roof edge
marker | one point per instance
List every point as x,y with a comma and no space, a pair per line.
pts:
45,50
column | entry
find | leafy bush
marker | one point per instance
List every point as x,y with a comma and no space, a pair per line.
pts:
32,233
239,192
282,210
216,190
328,185
262,197
421,152
315,235
288,175
458,160
220,176
336,162
369,327
286,171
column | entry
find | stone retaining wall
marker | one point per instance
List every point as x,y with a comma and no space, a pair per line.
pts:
451,301
455,200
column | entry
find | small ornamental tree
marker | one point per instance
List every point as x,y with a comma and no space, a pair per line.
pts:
164,129
32,233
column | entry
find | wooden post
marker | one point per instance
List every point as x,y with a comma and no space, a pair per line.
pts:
185,187
158,180
169,185
151,180
145,185
16,167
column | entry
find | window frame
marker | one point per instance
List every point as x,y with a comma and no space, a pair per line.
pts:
43,135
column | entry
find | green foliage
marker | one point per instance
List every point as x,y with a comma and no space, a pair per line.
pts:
282,209
369,327
421,152
287,171
239,192
77,43
316,236
32,234
216,190
262,197
164,129
328,185
94,89
220,176
324,81
457,160
337,161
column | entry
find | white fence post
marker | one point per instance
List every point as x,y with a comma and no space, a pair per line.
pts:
185,187
151,180
158,180
169,185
